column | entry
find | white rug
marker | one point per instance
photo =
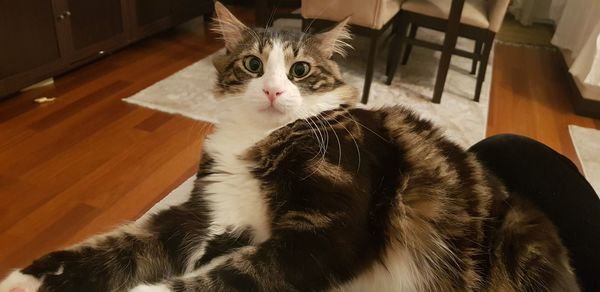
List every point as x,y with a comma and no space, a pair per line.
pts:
176,197
587,145
188,93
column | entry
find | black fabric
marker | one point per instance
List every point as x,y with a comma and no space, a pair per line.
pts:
553,183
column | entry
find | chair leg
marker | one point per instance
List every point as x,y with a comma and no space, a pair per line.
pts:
447,49
370,66
442,73
395,50
392,45
477,50
487,48
392,56
395,26
305,23
408,48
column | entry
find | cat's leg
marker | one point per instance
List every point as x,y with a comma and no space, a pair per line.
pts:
163,245
308,254
246,269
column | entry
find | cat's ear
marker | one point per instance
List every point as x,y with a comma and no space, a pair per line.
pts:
228,26
334,40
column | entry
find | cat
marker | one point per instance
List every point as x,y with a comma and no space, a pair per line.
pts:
299,190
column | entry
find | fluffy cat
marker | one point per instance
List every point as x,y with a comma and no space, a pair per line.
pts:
299,191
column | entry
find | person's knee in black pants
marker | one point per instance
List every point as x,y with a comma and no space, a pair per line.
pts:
553,183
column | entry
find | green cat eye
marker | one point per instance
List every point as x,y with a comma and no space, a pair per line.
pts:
253,64
300,69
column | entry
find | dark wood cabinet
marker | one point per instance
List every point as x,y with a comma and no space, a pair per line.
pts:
87,29
151,16
29,43
41,38
95,25
184,10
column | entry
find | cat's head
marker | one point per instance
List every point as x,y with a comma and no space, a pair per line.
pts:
275,76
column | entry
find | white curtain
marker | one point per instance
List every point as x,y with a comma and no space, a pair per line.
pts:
529,11
578,31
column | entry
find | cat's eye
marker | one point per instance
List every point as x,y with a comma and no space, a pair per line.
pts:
300,69
253,64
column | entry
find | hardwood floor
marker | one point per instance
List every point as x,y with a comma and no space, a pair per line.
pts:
89,161
529,96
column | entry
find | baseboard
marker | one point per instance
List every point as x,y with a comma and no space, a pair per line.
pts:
581,105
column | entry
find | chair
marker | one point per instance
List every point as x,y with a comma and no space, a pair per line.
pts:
368,17
478,20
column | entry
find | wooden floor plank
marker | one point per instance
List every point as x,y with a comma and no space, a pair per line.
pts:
78,106
154,122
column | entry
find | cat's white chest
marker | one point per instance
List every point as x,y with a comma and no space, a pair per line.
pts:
234,195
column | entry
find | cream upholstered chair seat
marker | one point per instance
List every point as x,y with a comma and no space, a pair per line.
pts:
366,13
478,13
473,12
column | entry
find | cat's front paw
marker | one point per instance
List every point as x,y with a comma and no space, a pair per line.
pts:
61,271
19,282
151,288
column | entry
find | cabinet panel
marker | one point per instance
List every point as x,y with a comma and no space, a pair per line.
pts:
27,35
151,16
188,9
94,21
150,11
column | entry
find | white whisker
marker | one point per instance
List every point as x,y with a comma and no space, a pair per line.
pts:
336,137
353,140
365,127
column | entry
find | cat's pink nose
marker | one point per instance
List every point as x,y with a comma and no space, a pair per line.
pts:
272,94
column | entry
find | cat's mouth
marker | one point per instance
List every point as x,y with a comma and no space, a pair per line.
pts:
271,110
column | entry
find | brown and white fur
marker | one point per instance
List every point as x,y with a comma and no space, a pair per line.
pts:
299,191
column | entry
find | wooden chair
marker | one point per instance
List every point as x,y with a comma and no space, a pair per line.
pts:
478,20
368,17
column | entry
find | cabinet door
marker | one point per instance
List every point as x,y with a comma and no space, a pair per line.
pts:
91,27
188,9
151,16
28,42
